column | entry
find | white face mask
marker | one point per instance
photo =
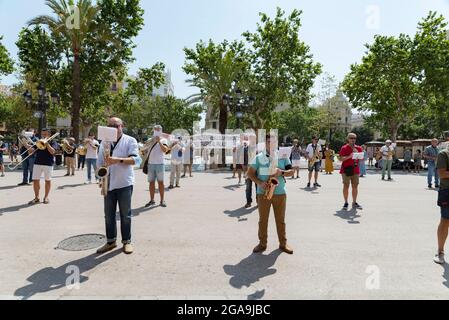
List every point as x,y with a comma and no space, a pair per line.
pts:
157,133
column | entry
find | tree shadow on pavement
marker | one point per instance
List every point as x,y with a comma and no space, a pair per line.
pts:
13,208
49,278
348,215
239,213
251,269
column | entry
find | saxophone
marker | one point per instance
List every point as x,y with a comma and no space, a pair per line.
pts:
272,182
315,158
103,172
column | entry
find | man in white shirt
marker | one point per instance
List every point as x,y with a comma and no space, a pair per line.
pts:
123,156
177,151
92,146
387,152
313,151
157,150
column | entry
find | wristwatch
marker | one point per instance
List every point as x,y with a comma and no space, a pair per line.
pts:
121,161
283,172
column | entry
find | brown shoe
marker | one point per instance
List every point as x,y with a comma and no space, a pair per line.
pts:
286,249
259,248
128,248
107,247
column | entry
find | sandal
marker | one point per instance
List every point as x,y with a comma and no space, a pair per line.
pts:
33,202
46,201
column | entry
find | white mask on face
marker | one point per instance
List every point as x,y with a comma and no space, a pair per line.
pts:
157,134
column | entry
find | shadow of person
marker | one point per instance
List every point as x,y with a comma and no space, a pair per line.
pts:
348,215
49,278
137,212
71,186
233,187
9,187
239,213
310,189
13,208
446,274
251,269
257,295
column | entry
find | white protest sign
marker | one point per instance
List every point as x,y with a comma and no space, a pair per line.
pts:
107,134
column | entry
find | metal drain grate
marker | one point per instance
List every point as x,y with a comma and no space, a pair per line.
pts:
83,242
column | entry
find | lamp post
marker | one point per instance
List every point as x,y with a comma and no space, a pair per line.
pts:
237,103
42,104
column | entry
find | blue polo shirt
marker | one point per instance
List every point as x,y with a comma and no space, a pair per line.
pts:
261,164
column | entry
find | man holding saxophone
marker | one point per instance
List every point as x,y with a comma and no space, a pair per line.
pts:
269,172
120,158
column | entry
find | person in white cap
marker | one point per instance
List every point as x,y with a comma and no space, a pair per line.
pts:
387,152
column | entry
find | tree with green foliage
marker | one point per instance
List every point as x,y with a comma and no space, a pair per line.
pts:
432,55
388,83
214,68
281,68
6,63
98,45
302,123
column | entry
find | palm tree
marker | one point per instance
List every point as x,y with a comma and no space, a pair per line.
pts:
74,27
214,68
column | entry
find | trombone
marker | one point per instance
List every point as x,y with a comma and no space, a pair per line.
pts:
40,144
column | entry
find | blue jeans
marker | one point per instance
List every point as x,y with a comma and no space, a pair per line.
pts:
123,198
27,166
432,171
249,191
91,163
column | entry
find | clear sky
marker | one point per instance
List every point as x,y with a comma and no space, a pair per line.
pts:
335,30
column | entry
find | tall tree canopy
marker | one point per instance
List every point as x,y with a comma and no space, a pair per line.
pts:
281,66
6,63
98,45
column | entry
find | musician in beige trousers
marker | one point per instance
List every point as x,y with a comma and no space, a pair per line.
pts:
267,165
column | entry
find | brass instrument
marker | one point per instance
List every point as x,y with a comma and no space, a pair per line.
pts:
103,172
41,145
317,156
272,184
67,147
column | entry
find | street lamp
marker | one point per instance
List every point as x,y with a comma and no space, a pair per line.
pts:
42,104
238,103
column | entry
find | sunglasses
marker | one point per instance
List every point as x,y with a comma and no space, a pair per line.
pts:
116,126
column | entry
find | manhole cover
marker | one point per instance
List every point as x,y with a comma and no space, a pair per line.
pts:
82,242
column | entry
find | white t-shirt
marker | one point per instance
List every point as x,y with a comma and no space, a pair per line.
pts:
175,158
156,155
385,150
310,150
91,151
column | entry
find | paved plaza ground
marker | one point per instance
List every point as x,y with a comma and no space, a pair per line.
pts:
200,247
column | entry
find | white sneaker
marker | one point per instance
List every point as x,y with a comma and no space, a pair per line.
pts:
439,258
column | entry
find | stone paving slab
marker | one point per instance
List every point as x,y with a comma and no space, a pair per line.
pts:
200,246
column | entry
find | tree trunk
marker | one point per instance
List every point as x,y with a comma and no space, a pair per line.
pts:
223,124
394,133
76,97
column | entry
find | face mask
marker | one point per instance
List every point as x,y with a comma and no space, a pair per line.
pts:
157,134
